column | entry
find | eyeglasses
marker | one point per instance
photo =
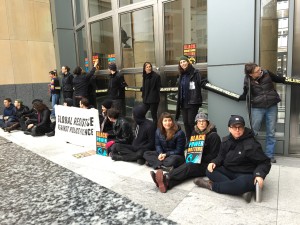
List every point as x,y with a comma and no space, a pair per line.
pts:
237,127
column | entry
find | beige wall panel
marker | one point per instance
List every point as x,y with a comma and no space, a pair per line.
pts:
6,76
21,63
16,20
45,1
3,21
38,20
40,61
52,61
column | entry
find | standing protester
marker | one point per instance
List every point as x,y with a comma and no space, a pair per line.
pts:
143,141
67,82
189,94
263,98
240,164
54,90
81,83
116,89
169,145
20,109
191,170
9,113
151,90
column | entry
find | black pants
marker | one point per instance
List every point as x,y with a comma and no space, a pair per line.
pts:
153,109
228,182
68,94
185,171
24,122
173,160
129,153
188,116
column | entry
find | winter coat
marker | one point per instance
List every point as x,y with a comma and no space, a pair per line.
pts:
151,88
243,155
81,83
263,93
212,142
67,82
116,86
175,146
193,94
21,110
122,131
44,120
10,112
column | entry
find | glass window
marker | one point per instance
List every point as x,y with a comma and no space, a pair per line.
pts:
128,2
273,45
102,41
137,37
99,6
79,11
185,23
82,50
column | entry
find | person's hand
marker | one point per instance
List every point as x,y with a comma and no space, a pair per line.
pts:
260,181
30,126
161,157
211,167
5,117
96,62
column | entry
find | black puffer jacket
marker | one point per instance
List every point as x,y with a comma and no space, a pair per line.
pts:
151,88
263,93
122,131
67,82
193,95
243,155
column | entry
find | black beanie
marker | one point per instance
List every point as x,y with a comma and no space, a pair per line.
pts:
107,103
112,66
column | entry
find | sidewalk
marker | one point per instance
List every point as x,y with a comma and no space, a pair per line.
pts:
186,203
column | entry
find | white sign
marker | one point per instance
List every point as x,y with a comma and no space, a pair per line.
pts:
77,126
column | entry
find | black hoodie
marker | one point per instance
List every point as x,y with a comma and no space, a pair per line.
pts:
243,155
145,130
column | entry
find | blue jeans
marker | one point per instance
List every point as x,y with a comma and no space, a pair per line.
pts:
54,101
257,115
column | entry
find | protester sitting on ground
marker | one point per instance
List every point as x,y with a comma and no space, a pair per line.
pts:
122,130
169,144
85,104
105,124
67,102
43,122
9,113
20,109
191,170
240,163
144,139
29,117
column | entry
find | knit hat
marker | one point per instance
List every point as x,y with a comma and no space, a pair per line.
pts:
184,58
107,103
69,101
201,116
112,66
236,119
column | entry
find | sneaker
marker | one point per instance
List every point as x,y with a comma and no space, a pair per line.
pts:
247,196
153,176
273,160
161,181
200,182
141,161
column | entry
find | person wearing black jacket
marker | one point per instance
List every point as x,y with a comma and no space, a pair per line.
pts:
263,100
151,90
67,82
29,116
116,89
20,109
240,164
189,94
143,141
81,82
191,170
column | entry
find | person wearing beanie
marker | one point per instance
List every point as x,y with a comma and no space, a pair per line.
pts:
143,141
116,89
189,94
105,124
151,90
192,170
240,164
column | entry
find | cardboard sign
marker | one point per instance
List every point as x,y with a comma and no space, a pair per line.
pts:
101,140
195,149
84,154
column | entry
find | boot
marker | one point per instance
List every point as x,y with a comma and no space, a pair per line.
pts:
12,127
247,196
162,181
200,182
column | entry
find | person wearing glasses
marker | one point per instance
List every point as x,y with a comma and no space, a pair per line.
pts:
240,164
263,98
191,170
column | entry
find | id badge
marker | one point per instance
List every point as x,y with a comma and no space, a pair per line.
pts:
192,85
